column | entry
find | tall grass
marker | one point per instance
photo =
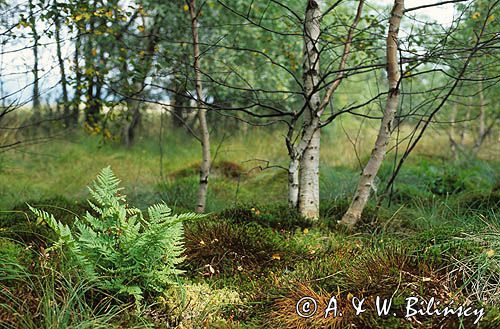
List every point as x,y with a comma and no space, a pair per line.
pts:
47,295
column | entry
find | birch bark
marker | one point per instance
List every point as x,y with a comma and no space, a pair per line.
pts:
366,182
303,171
308,202
202,113
293,182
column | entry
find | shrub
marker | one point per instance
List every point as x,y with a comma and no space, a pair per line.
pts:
129,254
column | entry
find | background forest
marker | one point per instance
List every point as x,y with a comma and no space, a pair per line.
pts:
208,163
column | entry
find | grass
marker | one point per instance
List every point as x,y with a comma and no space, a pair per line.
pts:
438,237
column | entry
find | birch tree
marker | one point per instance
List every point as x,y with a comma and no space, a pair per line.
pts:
366,182
202,112
303,171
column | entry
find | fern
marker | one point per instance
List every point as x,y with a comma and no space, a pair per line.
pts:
130,254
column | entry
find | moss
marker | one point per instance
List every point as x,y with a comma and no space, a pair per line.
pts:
275,216
222,168
197,305
220,247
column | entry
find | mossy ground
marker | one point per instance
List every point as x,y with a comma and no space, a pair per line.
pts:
439,237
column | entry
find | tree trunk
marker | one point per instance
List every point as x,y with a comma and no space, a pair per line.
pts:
179,107
452,133
465,122
36,90
308,202
309,179
482,121
365,185
66,109
293,183
130,125
482,126
137,87
202,115
78,82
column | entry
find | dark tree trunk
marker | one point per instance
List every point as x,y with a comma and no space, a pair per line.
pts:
66,108
36,90
180,107
78,83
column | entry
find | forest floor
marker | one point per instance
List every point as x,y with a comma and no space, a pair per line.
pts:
251,259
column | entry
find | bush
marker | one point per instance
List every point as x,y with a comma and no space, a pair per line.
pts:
129,254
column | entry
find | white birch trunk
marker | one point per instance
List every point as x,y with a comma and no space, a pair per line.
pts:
293,183
202,115
309,162
365,185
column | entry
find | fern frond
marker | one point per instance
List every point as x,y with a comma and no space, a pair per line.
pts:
105,189
115,243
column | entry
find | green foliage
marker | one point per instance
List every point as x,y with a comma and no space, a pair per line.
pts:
14,259
45,298
118,246
20,224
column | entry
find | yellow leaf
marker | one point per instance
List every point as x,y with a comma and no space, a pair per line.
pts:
186,8
276,257
306,230
490,253
141,28
202,242
93,51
